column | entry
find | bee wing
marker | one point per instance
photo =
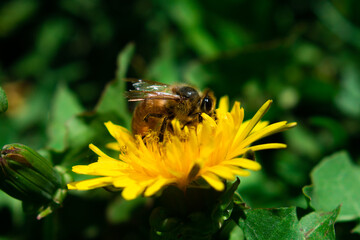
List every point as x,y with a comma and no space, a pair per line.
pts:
135,95
148,86
146,89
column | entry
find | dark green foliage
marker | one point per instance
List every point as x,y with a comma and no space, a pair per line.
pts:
62,64
3,101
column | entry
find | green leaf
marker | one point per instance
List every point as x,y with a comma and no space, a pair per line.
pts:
303,141
356,229
308,191
65,106
279,223
113,99
79,132
197,75
49,38
333,19
348,99
336,181
164,68
333,133
236,233
14,206
15,13
187,15
231,231
291,168
319,225
3,101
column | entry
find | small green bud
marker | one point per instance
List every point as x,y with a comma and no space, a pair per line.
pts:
31,178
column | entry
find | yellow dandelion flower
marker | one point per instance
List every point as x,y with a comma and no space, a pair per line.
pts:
212,151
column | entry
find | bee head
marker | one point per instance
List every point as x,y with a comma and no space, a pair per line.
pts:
188,92
208,102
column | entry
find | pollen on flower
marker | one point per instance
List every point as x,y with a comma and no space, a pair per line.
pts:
213,151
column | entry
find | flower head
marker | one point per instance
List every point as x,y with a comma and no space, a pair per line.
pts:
213,151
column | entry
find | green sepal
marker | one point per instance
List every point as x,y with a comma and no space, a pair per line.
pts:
17,153
161,221
31,178
196,214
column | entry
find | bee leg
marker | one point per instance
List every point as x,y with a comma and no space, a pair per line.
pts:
198,115
200,118
171,128
146,118
163,128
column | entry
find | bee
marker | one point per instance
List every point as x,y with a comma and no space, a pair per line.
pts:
160,103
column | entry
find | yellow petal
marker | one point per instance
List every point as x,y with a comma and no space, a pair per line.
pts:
267,146
213,181
122,181
269,130
90,184
244,163
209,121
260,125
114,146
223,107
259,114
132,191
116,130
240,151
222,171
82,169
238,114
101,154
240,172
156,186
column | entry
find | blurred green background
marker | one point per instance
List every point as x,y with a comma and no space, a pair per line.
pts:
58,58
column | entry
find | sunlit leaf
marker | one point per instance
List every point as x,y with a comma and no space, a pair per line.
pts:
336,181
65,106
165,68
80,133
113,98
348,99
279,223
319,225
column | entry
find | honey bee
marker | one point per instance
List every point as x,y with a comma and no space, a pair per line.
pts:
160,103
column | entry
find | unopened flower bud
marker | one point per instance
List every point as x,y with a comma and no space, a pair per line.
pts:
31,178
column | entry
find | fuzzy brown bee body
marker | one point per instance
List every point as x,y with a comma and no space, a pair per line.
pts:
139,125
160,103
